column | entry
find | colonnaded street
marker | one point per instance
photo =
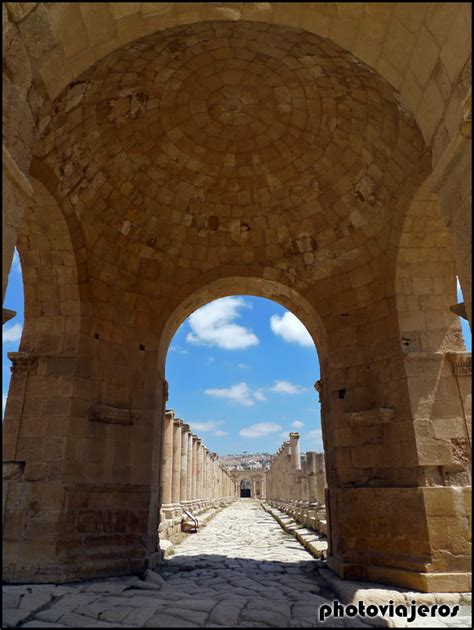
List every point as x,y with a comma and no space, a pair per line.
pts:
242,570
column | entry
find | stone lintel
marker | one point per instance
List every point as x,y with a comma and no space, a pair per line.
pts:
111,415
369,417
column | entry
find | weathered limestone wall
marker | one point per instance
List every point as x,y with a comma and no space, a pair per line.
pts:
192,476
296,484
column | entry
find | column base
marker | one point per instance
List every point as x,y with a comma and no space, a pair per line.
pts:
413,580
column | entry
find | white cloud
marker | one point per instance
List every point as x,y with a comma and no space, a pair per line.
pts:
284,387
210,360
289,328
239,393
16,266
284,435
220,433
260,429
459,294
259,395
315,439
214,325
297,424
12,334
205,426
243,366
178,350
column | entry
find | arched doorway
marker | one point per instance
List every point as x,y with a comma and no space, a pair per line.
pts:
298,195
245,489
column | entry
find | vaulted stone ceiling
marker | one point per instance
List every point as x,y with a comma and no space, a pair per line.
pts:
238,141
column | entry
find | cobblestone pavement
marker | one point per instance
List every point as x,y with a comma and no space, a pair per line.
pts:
242,570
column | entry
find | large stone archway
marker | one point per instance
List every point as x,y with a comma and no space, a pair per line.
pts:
216,158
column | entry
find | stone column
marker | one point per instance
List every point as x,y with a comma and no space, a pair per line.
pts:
167,466
189,470
184,483
194,475
312,471
320,478
205,475
199,453
176,485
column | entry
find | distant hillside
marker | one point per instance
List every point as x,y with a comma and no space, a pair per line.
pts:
247,460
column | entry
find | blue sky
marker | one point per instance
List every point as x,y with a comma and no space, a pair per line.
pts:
241,372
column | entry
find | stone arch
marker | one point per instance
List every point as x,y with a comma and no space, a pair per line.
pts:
183,305
324,235
425,279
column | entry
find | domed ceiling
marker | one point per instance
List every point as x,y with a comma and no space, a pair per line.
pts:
231,135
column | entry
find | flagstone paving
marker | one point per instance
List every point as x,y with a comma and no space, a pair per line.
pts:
242,570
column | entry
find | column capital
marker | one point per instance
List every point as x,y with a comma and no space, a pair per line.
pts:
22,362
186,427
461,362
178,422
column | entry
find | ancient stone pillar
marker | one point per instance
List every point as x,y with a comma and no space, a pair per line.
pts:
312,478
295,451
205,476
184,482
167,466
189,470
194,473
176,484
320,478
199,454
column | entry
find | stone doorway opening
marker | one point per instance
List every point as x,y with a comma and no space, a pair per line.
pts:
245,490
240,372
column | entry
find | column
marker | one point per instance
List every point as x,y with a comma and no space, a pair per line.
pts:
194,476
176,482
167,467
320,478
184,464
189,471
199,453
312,471
205,476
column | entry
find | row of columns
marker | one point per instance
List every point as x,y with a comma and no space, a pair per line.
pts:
296,484
192,476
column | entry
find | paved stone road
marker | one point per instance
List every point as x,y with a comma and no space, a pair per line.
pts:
242,570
